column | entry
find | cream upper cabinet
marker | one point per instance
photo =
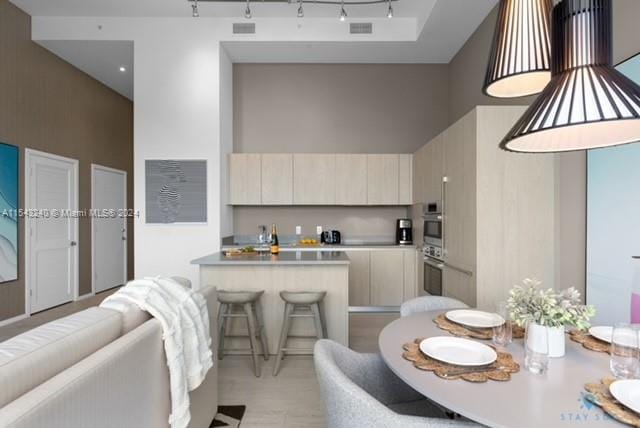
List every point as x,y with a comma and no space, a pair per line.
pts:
351,179
405,179
244,179
419,175
277,179
383,179
314,179
387,278
434,169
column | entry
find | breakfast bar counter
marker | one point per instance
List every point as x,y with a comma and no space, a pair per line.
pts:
284,258
288,271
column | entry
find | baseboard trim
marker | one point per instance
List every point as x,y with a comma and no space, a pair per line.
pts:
85,296
12,320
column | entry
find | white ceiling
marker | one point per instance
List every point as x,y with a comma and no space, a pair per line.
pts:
445,25
182,8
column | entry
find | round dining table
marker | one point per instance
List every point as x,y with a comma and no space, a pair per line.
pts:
554,399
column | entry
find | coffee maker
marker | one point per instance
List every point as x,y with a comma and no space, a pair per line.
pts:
404,231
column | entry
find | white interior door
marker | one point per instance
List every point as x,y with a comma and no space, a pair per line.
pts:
109,227
52,230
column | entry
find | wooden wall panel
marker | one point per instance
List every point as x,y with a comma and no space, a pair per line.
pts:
48,105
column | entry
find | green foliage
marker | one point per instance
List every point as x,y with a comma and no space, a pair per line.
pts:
529,303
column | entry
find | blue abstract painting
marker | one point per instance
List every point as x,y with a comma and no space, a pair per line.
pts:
8,213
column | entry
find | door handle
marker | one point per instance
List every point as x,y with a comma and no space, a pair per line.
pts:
73,243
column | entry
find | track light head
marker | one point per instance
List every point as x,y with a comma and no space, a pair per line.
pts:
390,11
247,11
343,14
300,9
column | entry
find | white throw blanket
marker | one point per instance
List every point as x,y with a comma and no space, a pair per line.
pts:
187,341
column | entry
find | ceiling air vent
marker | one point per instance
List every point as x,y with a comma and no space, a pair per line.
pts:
361,28
244,28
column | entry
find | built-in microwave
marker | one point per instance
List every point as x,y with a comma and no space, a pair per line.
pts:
432,216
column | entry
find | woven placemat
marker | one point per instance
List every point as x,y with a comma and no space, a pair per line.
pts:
598,393
500,370
589,342
476,333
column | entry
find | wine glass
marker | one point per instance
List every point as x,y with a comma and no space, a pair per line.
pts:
503,334
624,351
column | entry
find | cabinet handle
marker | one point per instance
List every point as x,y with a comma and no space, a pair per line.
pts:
459,269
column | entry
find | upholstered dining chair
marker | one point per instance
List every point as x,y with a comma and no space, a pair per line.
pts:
429,303
359,390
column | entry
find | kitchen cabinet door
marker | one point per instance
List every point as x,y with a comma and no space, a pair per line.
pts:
461,286
387,278
421,171
314,179
383,179
277,179
410,274
434,169
405,179
359,278
351,180
244,179
460,193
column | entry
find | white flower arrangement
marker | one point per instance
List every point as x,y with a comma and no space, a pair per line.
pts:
529,303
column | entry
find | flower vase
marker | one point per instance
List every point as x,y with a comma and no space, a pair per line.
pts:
555,339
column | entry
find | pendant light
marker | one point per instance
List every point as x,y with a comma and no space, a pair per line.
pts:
520,56
587,104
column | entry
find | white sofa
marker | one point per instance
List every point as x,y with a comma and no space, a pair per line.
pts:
96,368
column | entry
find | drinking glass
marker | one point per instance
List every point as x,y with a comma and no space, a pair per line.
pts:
503,334
536,346
624,351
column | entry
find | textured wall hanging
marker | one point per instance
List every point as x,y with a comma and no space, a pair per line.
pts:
176,191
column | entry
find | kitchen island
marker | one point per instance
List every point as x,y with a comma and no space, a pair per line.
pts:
289,271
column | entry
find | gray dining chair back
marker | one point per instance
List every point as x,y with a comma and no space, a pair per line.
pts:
359,390
429,303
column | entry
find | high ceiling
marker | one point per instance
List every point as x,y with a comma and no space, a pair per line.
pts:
443,28
225,8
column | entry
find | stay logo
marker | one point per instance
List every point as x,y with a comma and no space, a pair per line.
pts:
588,412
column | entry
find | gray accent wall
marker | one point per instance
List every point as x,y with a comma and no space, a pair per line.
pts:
338,108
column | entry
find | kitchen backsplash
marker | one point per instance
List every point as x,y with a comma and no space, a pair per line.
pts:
373,224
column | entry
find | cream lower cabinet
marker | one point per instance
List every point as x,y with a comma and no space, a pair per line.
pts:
359,278
382,277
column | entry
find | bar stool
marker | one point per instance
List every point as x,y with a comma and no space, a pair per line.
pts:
293,302
252,312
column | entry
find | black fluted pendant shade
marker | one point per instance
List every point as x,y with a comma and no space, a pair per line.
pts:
588,104
520,62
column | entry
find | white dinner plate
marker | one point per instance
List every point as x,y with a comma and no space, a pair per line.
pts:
458,351
473,318
627,392
601,332
604,333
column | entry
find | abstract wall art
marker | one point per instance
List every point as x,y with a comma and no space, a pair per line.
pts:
176,191
9,158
